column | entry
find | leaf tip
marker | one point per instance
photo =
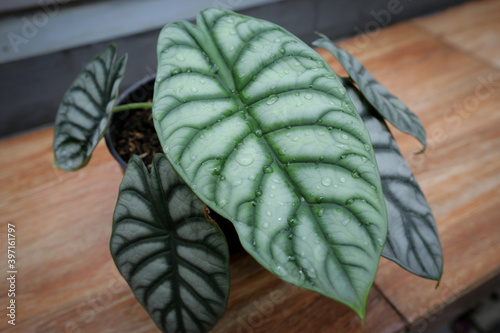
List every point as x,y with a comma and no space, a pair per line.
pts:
424,147
64,166
361,313
55,165
320,35
438,280
112,46
123,60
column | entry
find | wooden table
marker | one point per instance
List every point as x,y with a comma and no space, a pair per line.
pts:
439,65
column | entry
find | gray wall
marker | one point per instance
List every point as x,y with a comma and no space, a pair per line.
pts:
30,89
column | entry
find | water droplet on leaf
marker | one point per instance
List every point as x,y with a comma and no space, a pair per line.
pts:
268,169
244,159
272,99
216,171
326,181
221,203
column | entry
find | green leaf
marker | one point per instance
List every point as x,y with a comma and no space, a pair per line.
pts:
264,133
84,113
387,105
175,261
412,238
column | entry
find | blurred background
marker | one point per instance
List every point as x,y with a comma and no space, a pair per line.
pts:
45,43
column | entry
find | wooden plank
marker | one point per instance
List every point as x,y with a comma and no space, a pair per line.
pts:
472,27
260,302
66,279
459,171
68,283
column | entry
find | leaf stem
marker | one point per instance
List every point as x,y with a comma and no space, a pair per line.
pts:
132,106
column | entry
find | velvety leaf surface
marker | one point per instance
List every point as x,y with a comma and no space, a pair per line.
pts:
263,131
175,261
387,105
412,238
83,115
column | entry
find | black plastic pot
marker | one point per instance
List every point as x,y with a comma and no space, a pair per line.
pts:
142,91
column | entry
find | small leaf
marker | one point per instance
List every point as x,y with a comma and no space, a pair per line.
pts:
84,113
175,261
263,131
412,238
388,105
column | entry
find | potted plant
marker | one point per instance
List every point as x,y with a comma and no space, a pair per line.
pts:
132,133
255,126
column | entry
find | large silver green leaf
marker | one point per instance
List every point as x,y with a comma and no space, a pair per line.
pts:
412,238
264,133
388,105
175,261
85,110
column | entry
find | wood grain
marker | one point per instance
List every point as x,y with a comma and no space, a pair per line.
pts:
472,28
67,281
260,302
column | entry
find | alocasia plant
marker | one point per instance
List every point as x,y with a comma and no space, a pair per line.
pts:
255,125
86,109
412,238
175,261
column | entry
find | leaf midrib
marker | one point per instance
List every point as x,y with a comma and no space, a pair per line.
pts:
236,96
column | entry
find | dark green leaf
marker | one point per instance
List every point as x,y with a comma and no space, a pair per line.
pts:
262,130
412,239
387,105
83,115
175,261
